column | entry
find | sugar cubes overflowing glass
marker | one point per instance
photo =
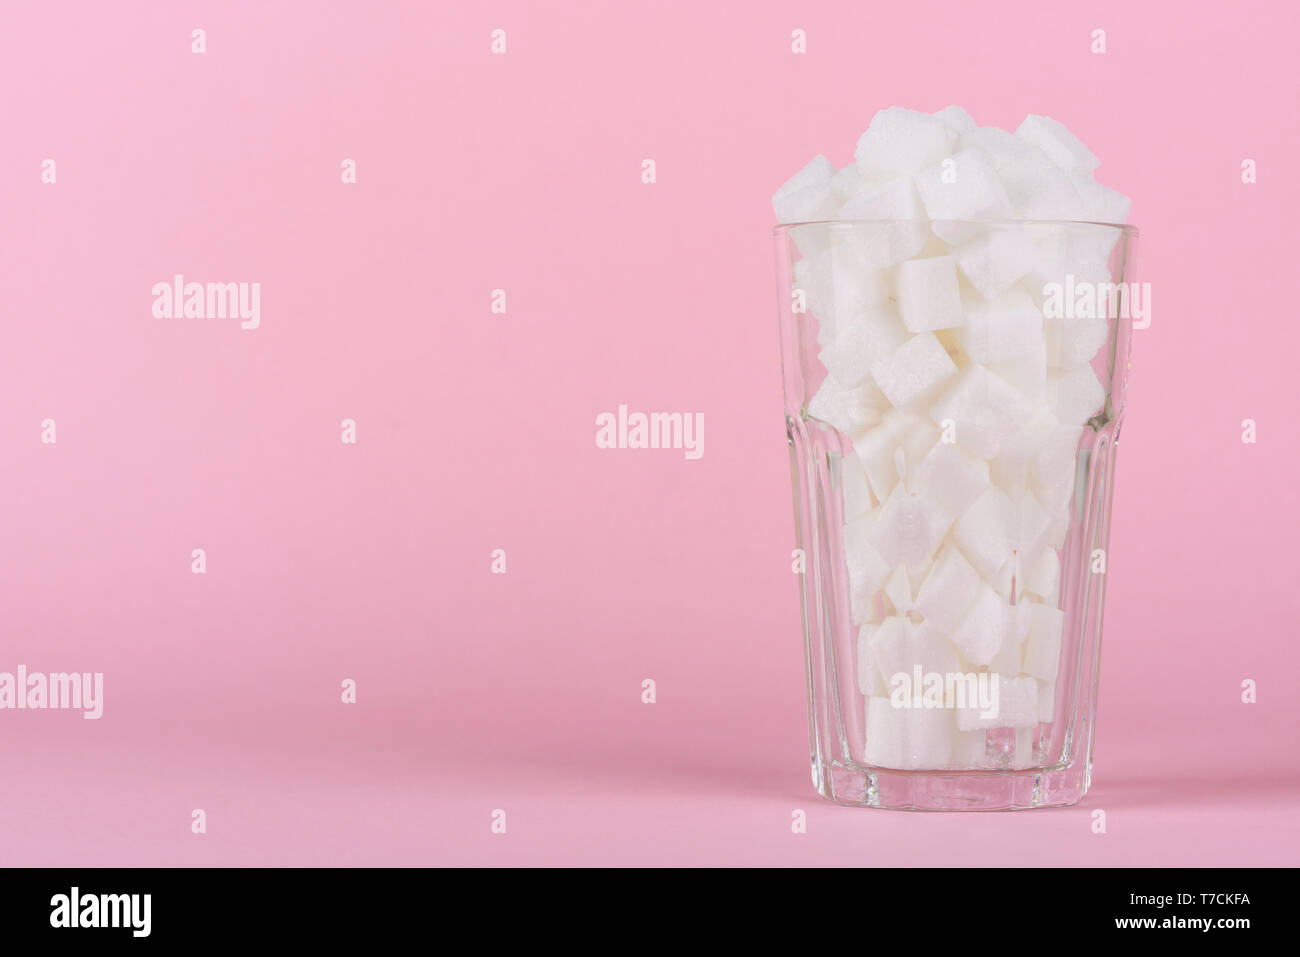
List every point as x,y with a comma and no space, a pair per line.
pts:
964,400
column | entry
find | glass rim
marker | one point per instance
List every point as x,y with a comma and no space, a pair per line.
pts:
1127,228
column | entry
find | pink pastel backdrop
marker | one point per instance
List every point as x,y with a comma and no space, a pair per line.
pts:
476,431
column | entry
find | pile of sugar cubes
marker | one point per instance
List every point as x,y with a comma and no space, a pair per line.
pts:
934,324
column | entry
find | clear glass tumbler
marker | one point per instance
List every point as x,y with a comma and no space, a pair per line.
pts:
953,400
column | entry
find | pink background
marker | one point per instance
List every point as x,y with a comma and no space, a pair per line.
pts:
476,431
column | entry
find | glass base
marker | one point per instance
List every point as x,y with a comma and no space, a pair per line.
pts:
953,790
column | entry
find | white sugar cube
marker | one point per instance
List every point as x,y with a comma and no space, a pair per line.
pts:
1038,189
1062,147
841,281
910,739
985,409
1043,646
857,494
807,195
849,411
1003,328
970,750
898,589
1001,146
897,647
1047,701
1010,472
1011,468
988,531
1015,624
1056,498
1074,340
886,735
849,182
897,203
1004,582
950,477
868,570
994,261
860,342
1042,577
870,680
819,172
1023,756
1088,249
1027,373
875,449
1059,530
1075,394
901,141
894,447
908,529
916,434
949,591
865,605
980,634
928,297
913,370
1017,707
929,739
1055,456
962,187
1035,522
808,205
957,118
1100,203
814,285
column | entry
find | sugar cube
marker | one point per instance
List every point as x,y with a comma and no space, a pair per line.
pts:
901,141
1001,146
1003,328
1100,203
848,411
1017,707
970,750
994,261
984,409
949,591
1023,756
1062,147
1043,646
870,681
896,203
1043,576
1075,394
913,370
957,118
1046,701
988,531
980,634
1038,189
886,734
950,477
962,187
928,297
860,342
908,529
868,570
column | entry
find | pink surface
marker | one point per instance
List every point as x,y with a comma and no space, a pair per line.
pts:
521,171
